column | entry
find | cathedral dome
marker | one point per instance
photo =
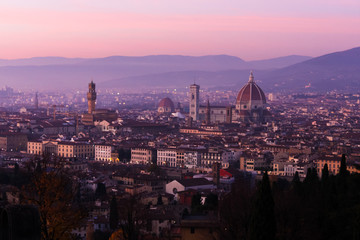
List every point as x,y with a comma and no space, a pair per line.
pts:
251,102
251,92
166,106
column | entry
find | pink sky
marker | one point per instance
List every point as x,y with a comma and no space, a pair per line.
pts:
92,28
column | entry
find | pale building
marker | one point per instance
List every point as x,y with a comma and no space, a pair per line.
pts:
216,155
166,157
35,147
75,150
194,102
143,155
194,183
103,152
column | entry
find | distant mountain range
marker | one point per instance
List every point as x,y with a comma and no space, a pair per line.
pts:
335,71
45,73
340,70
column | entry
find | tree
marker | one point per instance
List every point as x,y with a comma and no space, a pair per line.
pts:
211,201
343,170
235,209
296,178
53,193
296,185
121,153
124,155
16,169
263,224
342,178
132,218
325,174
159,200
308,176
114,215
100,190
154,169
117,235
196,206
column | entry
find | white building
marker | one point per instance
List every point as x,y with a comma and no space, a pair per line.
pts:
185,184
291,168
167,157
216,155
103,152
192,159
142,155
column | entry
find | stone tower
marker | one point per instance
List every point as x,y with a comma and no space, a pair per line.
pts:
36,101
91,96
229,114
194,102
208,113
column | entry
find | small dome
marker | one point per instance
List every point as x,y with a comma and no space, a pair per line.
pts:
250,92
166,105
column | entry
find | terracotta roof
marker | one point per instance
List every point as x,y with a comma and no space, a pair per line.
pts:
166,102
251,91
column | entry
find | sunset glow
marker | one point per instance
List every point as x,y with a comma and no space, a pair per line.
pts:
250,30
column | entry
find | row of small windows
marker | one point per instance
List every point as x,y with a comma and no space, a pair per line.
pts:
167,154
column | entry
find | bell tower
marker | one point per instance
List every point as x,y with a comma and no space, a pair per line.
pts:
91,96
194,102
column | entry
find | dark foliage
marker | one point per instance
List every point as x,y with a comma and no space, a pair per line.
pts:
196,206
235,210
99,235
159,200
211,202
114,215
124,155
262,223
325,173
313,209
100,190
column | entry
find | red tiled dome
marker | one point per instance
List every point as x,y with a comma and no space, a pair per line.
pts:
250,92
166,103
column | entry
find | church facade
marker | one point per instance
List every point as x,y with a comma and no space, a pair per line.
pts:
250,107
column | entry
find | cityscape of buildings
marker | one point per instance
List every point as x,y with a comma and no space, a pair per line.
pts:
162,149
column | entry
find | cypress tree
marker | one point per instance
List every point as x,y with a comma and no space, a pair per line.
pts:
100,190
211,201
343,171
342,178
114,215
196,206
159,200
314,175
16,169
296,178
308,176
262,223
296,184
325,173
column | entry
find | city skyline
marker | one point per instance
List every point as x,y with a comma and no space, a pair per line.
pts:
250,30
